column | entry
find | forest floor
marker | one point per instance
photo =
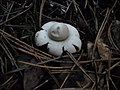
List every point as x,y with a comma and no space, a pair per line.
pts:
24,66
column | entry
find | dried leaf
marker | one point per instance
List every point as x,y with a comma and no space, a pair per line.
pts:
72,89
32,76
103,49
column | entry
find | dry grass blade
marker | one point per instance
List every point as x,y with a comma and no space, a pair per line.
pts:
9,54
23,46
15,70
113,66
18,26
111,39
93,68
2,65
87,61
29,50
103,25
96,40
41,9
37,87
64,71
113,83
72,89
75,5
101,29
42,66
16,15
107,82
109,64
99,60
77,64
9,11
69,73
6,82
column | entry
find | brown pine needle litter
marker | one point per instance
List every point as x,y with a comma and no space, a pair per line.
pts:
25,66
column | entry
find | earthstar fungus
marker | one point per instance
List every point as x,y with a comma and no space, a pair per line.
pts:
59,36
